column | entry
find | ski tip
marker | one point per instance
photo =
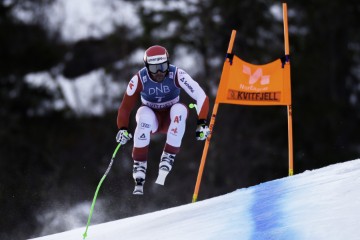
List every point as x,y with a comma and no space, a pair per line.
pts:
138,190
160,182
138,193
161,177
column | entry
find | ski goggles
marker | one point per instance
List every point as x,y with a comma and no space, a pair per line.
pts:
162,67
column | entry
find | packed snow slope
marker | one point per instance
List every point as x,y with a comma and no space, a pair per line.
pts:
318,204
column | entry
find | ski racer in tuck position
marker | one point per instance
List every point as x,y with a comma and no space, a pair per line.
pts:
158,85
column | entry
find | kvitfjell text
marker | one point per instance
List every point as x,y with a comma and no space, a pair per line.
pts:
254,96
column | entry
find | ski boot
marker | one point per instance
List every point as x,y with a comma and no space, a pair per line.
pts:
139,173
165,166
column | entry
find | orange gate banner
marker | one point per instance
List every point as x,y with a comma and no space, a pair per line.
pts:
248,84
244,83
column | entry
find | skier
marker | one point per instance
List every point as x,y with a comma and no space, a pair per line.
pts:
158,85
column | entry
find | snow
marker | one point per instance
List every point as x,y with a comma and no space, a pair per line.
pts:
317,204
82,19
96,92
91,94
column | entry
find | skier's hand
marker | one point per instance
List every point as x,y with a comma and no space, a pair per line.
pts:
123,136
202,130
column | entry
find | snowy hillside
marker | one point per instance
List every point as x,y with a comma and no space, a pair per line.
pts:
318,204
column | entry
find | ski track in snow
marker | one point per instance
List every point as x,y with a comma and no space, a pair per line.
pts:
318,204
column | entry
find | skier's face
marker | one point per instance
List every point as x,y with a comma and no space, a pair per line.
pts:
158,77
158,71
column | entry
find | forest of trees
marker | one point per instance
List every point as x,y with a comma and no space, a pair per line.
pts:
51,159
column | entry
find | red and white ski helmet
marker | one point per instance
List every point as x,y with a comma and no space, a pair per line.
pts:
155,55
156,58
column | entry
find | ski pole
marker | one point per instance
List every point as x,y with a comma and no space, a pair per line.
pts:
97,190
212,120
204,154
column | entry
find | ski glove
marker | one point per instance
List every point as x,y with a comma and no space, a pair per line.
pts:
202,130
123,136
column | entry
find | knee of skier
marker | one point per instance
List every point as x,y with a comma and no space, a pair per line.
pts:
146,119
179,111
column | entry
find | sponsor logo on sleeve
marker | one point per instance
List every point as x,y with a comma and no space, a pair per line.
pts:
131,88
187,84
